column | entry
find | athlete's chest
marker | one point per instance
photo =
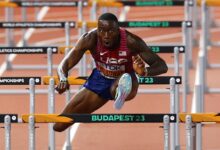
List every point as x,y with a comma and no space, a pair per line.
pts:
117,56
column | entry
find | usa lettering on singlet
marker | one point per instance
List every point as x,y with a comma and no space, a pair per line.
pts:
113,63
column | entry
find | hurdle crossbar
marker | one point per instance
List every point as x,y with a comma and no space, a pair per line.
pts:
61,49
111,118
154,48
142,80
98,3
40,24
209,2
93,24
114,118
19,80
47,118
29,50
99,118
201,117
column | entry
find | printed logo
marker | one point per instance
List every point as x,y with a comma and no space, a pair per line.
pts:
122,53
110,60
103,53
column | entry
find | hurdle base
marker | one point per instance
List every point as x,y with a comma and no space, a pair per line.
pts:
68,148
213,90
217,44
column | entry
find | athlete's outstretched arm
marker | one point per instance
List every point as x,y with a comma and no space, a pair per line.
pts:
156,64
70,60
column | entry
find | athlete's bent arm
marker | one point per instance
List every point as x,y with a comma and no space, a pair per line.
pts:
156,64
70,60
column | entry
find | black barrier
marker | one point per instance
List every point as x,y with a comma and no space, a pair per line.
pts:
45,24
154,24
167,49
119,118
55,50
49,4
27,50
86,3
159,80
14,118
19,80
128,24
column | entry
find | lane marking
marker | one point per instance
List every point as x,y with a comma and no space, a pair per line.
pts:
73,131
163,37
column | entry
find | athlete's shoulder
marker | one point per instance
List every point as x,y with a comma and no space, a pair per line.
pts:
89,38
133,40
91,35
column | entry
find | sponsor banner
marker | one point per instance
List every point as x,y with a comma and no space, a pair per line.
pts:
27,50
19,80
153,24
153,3
49,4
167,49
159,80
114,118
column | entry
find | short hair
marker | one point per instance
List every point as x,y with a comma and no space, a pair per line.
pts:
108,17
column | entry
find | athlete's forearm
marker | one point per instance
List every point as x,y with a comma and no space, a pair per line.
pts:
156,68
62,73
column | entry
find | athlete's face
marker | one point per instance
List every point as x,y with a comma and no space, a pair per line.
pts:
108,33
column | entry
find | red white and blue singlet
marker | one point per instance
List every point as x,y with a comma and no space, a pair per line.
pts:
110,64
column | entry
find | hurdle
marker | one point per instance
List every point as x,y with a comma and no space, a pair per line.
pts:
142,80
30,50
163,80
196,119
173,81
186,118
203,60
7,119
201,86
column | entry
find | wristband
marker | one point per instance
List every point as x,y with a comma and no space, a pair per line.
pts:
61,74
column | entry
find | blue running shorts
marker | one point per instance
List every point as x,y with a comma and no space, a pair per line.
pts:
99,84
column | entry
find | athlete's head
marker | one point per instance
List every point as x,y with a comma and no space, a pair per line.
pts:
108,30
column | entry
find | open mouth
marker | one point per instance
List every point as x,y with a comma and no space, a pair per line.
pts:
107,43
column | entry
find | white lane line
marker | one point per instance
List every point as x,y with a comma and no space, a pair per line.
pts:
163,37
28,34
73,131
55,41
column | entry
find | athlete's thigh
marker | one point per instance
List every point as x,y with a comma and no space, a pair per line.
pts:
85,101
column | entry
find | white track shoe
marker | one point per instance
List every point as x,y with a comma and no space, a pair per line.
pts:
123,90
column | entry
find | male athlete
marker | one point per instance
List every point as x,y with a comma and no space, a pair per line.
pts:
118,54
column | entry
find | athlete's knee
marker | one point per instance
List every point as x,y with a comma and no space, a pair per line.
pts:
59,127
